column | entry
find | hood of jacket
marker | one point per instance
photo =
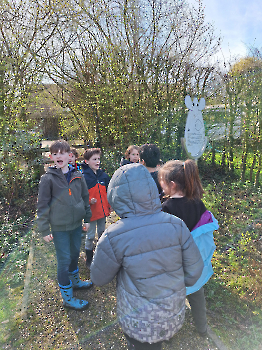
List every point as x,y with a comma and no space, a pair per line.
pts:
132,191
86,169
58,172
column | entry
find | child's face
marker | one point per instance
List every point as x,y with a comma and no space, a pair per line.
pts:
134,156
170,189
72,158
61,160
94,162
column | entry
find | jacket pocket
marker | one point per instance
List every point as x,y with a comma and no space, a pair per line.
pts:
60,214
79,211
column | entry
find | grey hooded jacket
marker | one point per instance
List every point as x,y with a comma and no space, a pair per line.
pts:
153,255
62,206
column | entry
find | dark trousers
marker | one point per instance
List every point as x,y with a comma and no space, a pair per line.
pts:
134,344
67,246
198,308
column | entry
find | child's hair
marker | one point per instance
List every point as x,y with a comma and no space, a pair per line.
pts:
59,145
150,153
130,149
89,152
74,151
185,175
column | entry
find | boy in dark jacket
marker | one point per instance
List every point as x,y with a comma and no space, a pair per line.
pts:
150,157
153,255
97,181
63,202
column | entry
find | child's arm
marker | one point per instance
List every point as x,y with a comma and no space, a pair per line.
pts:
104,266
93,201
85,196
43,209
107,181
191,259
85,227
48,238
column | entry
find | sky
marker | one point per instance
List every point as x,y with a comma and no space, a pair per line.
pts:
238,22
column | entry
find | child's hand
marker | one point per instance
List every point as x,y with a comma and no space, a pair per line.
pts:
48,238
93,200
85,227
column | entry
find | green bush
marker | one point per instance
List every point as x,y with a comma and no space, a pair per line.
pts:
20,160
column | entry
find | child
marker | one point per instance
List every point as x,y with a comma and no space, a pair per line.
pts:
153,255
131,155
150,157
181,182
73,155
63,202
97,181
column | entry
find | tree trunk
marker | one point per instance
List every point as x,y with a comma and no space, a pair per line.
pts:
252,167
244,163
223,160
258,171
213,151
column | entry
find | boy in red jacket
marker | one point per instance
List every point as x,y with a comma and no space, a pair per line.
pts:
97,182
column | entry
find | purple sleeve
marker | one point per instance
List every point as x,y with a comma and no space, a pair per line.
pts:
205,218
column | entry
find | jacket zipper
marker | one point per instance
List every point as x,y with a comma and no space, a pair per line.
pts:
100,197
69,189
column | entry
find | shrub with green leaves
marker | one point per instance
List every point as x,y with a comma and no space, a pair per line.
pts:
20,158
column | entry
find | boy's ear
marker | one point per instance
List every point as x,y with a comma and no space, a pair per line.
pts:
86,161
51,157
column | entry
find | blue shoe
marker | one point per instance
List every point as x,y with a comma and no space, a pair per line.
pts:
70,301
76,282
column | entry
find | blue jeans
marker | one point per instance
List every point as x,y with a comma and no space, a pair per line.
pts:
67,246
100,225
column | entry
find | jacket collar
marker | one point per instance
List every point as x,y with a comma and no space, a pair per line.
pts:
55,171
86,169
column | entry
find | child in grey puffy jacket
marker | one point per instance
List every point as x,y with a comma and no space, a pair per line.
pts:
153,255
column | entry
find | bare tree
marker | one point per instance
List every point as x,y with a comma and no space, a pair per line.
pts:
25,29
122,64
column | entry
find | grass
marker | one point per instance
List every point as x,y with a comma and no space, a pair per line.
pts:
234,293
11,286
238,257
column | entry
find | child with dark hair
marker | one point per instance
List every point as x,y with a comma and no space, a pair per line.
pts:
131,155
181,183
150,157
153,256
97,181
63,202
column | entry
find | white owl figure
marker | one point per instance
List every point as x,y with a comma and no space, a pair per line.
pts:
195,140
